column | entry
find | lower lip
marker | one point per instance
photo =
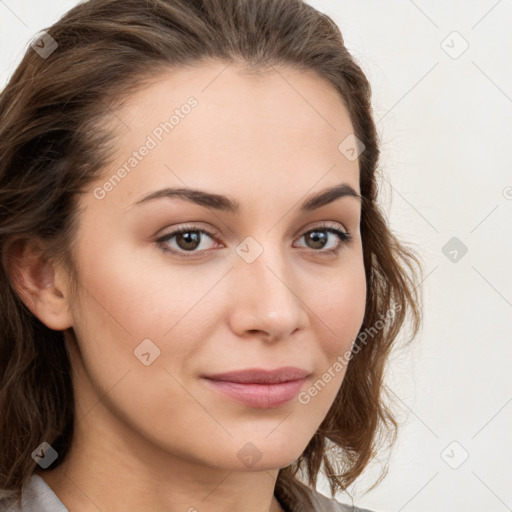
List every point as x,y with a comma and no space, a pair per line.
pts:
260,396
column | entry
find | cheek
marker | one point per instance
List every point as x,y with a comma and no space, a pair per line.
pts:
127,298
341,307
123,302
130,294
341,311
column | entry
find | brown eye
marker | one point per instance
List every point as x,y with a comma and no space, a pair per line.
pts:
318,238
187,240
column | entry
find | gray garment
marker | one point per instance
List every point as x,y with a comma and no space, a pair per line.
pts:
301,498
37,496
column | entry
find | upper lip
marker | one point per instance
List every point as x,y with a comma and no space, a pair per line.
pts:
261,376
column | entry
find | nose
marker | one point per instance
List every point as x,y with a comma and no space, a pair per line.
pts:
266,298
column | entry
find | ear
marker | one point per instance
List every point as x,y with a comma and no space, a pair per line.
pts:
40,285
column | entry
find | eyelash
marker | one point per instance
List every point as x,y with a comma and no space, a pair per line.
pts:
344,236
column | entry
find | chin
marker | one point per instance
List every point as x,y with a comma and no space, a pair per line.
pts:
267,456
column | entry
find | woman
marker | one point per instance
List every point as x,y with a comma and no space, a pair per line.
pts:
199,290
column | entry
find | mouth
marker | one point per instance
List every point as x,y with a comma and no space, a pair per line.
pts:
259,388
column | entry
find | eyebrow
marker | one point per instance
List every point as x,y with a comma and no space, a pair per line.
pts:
224,203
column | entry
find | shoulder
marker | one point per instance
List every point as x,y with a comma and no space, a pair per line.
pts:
322,503
301,498
37,496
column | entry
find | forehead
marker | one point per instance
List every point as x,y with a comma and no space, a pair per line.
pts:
217,126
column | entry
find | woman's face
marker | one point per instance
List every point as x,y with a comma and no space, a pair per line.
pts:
258,289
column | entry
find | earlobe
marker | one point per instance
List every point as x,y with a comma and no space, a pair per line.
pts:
35,280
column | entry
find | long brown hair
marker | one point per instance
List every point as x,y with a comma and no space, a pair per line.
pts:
53,143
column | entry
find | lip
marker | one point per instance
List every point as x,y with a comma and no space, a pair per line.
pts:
259,388
261,375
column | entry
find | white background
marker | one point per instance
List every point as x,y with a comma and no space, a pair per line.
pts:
445,125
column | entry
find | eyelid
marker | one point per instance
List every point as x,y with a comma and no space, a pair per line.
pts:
189,226
193,226
323,224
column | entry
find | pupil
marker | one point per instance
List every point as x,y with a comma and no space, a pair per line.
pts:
189,237
316,237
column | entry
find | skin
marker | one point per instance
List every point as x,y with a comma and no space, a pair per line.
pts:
157,438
